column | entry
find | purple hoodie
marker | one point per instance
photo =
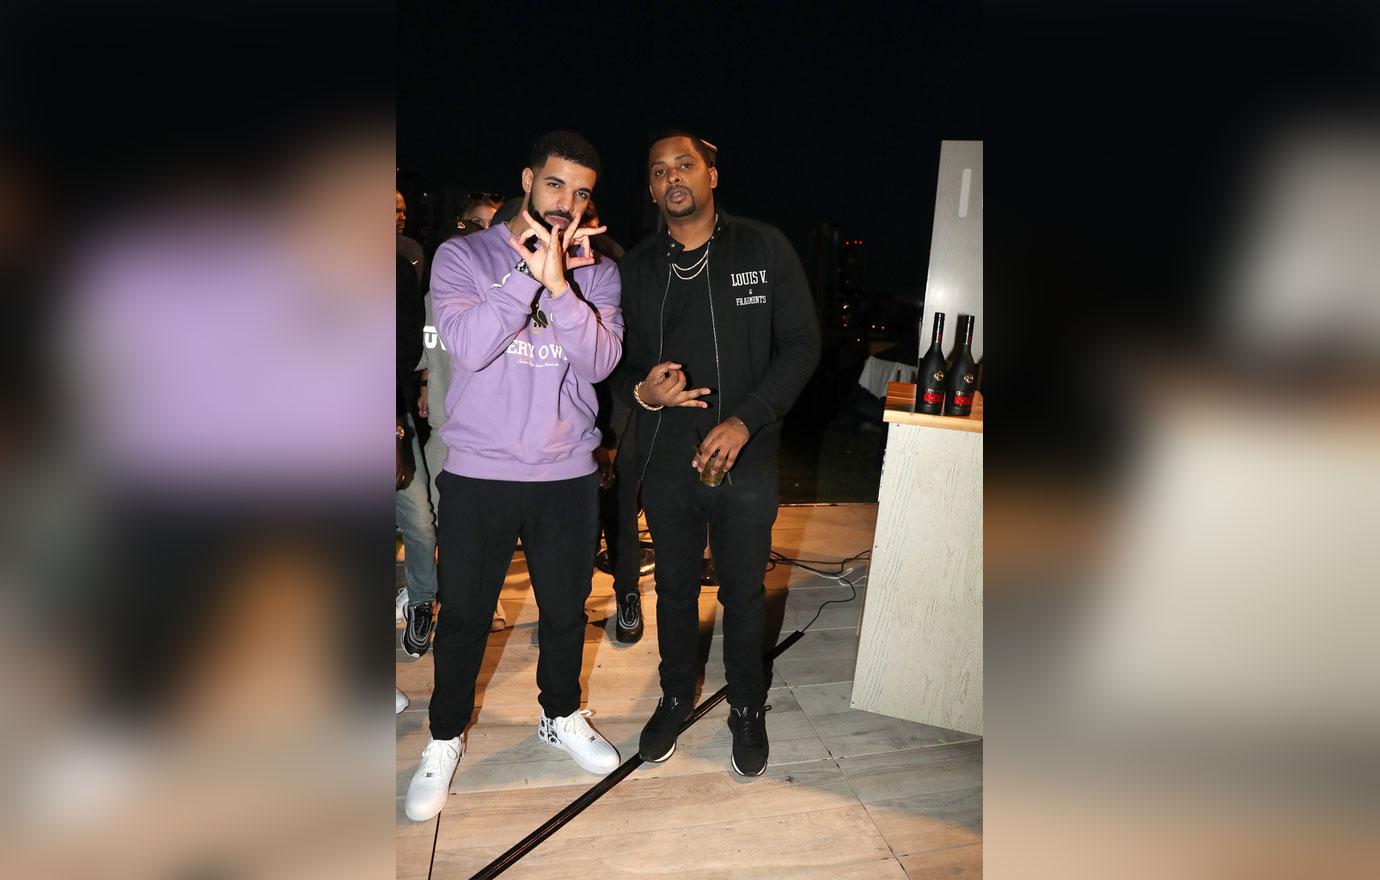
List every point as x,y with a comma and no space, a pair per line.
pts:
521,403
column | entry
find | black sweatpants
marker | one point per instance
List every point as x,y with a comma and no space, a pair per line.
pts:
738,517
478,526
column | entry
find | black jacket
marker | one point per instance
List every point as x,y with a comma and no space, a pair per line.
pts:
410,317
768,336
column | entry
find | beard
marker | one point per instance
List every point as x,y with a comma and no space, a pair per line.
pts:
532,212
688,207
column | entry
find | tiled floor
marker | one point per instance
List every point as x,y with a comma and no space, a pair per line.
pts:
849,794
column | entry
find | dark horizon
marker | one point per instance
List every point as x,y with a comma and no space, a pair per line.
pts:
851,138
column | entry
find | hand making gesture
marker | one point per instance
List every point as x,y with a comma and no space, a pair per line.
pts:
549,264
665,386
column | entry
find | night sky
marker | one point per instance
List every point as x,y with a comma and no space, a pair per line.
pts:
821,115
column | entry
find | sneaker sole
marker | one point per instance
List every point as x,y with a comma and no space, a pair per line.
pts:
734,762
662,758
424,817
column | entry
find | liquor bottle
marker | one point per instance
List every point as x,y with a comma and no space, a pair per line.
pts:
930,386
962,370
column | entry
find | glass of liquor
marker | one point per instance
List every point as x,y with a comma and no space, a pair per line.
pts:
712,471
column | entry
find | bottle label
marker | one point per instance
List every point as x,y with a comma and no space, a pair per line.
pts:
934,396
963,400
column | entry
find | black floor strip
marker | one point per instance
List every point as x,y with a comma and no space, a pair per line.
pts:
600,788
436,835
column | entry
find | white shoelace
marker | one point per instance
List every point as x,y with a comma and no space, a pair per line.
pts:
575,725
435,755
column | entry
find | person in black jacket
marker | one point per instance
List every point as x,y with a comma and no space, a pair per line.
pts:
720,339
618,504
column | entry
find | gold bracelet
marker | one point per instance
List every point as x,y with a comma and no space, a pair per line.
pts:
643,403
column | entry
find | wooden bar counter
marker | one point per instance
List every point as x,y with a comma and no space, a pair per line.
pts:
920,648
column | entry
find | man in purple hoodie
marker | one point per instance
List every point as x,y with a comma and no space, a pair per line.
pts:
530,316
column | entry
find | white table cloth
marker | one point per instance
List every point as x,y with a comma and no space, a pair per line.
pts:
876,373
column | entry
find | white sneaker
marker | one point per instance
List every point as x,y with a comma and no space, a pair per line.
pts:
573,734
399,701
400,605
430,785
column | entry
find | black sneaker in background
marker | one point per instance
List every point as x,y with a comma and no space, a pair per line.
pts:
658,740
419,621
628,625
749,726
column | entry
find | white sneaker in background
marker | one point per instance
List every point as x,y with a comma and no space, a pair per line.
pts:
573,734
400,605
430,785
399,701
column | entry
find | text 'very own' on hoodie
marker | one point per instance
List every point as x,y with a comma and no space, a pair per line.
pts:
521,404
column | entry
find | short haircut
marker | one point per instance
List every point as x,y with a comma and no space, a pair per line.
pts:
565,145
708,152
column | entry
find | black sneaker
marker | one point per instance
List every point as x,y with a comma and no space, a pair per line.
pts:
749,726
658,740
628,626
417,627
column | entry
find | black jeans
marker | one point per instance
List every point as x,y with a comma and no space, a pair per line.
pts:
618,508
478,526
738,517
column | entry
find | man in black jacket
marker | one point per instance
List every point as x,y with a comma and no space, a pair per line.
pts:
720,339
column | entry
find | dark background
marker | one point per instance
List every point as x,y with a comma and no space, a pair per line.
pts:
820,115
1123,148
829,115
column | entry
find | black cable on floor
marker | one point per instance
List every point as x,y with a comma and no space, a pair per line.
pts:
602,787
841,576
777,557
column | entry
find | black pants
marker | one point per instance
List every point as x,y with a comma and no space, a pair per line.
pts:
478,526
618,508
738,517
